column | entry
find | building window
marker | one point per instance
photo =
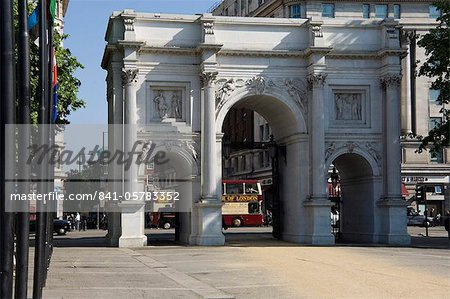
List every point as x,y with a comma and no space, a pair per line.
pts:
328,10
433,95
397,11
295,11
437,156
261,133
244,163
434,12
366,11
267,132
381,11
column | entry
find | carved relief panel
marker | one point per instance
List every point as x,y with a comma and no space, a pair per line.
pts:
166,101
349,107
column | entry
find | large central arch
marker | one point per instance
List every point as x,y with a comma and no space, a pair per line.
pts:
289,130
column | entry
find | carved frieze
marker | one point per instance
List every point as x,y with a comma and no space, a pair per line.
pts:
256,84
168,103
297,90
348,106
373,148
294,87
370,147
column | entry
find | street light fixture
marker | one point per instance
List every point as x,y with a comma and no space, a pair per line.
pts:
334,178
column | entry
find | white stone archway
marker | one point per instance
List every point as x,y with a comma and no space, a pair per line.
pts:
182,74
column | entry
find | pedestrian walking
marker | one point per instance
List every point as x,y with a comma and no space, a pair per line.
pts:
447,225
77,221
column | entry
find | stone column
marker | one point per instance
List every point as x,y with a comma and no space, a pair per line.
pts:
316,83
208,226
406,88
115,135
318,206
391,84
132,211
393,206
209,192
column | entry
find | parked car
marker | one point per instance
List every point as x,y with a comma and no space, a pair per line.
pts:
60,227
416,219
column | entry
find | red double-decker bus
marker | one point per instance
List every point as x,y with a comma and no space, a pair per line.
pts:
242,200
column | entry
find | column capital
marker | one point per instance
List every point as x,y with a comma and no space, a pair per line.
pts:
129,76
316,80
207,78
391,80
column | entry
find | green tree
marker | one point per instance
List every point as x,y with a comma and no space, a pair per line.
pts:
68,84
437,66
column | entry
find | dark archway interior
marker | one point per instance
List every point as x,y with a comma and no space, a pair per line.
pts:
278,115
255,119
357,198
169,222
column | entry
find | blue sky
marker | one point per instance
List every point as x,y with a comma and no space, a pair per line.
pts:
86,22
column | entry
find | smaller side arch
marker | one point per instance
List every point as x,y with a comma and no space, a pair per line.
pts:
375,168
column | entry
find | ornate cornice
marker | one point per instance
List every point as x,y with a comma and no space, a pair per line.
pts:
208,78
129,76
391,80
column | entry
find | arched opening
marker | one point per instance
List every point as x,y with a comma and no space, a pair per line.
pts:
355,208
170,177
264,146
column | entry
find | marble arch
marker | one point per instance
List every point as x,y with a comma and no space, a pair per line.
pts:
178,75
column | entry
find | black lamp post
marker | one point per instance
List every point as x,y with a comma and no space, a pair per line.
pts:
336,198
334,178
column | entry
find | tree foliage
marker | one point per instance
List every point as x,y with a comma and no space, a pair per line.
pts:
68,84
437,66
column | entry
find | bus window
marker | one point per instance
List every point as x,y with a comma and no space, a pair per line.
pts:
251,188
253,208
234,189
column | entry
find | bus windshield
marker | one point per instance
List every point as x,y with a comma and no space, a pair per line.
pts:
241,187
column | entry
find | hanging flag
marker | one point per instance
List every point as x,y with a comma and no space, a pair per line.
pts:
52,10
55,87
33,19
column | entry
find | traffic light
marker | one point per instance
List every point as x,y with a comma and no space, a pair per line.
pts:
420,194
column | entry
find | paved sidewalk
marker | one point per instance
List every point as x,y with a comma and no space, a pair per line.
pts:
248,268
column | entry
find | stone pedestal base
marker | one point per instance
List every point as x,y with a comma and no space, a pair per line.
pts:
207,229
393,229
319,222
132,223
114,225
